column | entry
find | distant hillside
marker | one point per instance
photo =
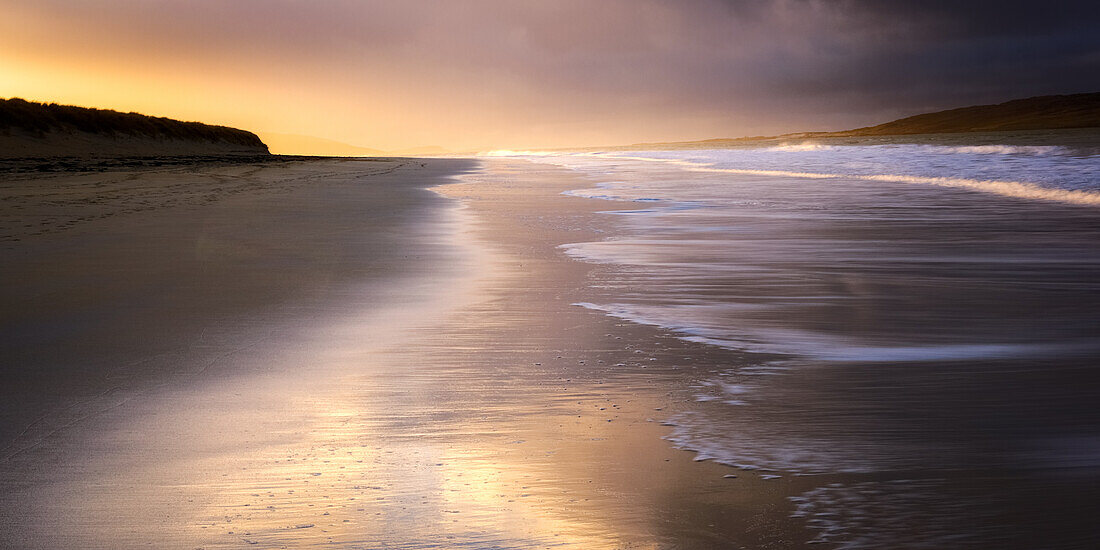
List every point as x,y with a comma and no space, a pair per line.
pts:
422,151
292,144
1052,112
29,129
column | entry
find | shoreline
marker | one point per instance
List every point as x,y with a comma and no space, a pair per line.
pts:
496,413
857,505
631,377
374,354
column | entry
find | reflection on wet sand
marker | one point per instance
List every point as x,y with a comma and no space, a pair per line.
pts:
469,406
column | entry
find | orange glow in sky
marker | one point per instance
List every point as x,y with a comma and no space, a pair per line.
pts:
496,74
464,76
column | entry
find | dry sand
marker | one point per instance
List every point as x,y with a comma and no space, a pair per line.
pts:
314,353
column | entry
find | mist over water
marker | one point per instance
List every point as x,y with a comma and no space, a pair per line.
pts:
901,325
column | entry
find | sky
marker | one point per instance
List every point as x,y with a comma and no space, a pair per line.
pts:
473,75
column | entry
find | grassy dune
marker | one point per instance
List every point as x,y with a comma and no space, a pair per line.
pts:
30,129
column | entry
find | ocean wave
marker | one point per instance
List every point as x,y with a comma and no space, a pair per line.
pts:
813,146
800,147
1006,188
1003,149
1014,189
516,153
691,325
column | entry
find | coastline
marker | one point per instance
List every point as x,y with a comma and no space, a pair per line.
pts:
470,404
971,456
382,353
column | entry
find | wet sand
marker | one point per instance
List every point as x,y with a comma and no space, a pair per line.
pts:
334,355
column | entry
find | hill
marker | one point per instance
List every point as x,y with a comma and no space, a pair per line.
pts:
422,151
35,130
293,144
1052,112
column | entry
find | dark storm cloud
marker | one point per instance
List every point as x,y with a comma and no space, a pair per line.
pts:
866,57
975,18
946,73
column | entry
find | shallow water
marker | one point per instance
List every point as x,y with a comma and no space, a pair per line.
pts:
904,321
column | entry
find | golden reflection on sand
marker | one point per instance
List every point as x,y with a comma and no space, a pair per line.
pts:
492,414
359,433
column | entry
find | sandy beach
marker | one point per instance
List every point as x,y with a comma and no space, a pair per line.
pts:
305,353
389,353
634,274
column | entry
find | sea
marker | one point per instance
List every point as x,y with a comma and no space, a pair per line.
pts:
922,319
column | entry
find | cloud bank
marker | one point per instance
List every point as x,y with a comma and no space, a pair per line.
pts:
486,74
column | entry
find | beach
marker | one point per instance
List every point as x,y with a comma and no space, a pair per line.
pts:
625,275
334,354
422,353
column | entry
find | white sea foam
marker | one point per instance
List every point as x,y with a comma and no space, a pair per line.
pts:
693,325
1034,172
798,147
1001,149
515,153
1007,188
